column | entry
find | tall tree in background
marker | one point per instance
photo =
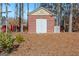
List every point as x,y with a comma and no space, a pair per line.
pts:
16,13
7,4
20,17
0,10
59,16
65,15
0,15
6,10
70,20
75,22
6,15
21,12
27,14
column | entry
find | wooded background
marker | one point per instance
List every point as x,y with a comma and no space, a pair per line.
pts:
66,14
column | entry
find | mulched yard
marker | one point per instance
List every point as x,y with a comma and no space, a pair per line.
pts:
50,44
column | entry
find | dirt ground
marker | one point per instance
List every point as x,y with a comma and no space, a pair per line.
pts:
50,44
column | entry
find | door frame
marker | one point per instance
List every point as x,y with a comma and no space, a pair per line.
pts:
40,24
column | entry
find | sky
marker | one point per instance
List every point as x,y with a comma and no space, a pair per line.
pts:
11,7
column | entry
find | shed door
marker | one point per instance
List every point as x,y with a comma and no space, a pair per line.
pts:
41,26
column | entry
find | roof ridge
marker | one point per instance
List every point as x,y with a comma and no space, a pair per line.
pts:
39,9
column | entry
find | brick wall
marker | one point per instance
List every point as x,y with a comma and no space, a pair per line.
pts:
32,22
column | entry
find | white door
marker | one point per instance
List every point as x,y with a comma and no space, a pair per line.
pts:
41,26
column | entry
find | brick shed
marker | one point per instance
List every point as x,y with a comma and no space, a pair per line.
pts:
40,20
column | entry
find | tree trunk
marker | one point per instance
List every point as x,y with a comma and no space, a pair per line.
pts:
22,13
16,14
6,10
59,20
0,10
27,14
20,17
70,20
6,15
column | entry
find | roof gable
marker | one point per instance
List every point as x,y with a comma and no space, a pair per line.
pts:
40,11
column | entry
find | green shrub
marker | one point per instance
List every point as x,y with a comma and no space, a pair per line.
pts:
2,40
9,42
19,39
6,42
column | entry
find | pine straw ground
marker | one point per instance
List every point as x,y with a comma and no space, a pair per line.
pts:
50,44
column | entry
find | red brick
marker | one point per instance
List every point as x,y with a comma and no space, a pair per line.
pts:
32,22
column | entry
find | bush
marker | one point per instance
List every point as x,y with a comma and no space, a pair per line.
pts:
2,40
19,39
9,42
6,42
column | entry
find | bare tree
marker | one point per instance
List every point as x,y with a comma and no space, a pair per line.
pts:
16,13
6,10
27,13
59,20
0,10
22,14
70,20
6,15
0,14
20,17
